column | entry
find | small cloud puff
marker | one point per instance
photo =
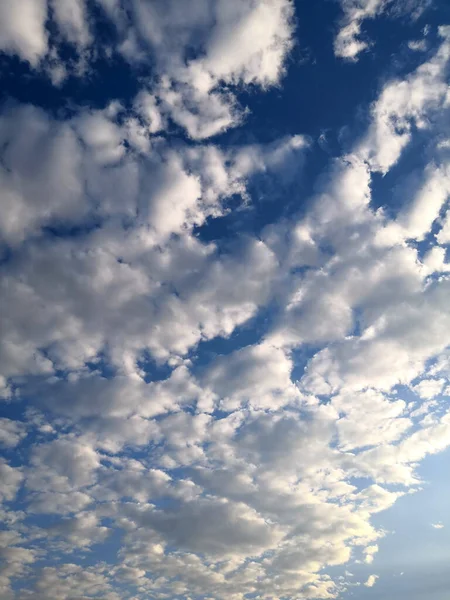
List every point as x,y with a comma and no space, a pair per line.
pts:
371,581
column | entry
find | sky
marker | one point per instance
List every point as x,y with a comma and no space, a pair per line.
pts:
224,294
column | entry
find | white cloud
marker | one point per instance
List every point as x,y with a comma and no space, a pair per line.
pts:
437,526
102,136
40,173
11,432
215,527
146,105
371,581
392,351
14,560
206,304
242,43
425,207
58,503
369,552
11,480
22,29
70,580
215,473
81,531
369,419
429,388
443,237
232,43
258,376
249,42
435,260
63,464
418,45
202,114
71,18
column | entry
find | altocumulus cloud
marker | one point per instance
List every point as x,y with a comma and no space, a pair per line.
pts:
205,395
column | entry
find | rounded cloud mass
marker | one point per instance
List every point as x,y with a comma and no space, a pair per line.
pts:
225,329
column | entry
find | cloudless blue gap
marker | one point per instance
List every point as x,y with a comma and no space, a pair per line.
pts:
218,228
153,371
248,334
109,549
12,409
102,366
109,80
63,230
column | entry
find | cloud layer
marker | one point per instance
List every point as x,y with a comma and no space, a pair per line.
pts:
211,417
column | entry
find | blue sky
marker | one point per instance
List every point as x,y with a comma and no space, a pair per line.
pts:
224,245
